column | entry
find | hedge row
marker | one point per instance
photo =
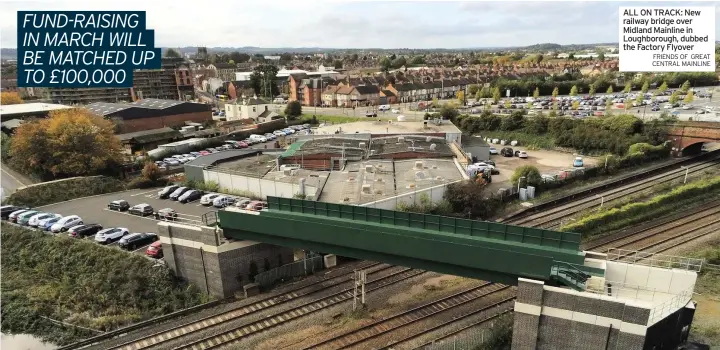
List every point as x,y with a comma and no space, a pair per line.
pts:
63,190
593,223
82,284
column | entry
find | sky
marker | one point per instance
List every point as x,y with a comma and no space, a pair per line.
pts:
358,24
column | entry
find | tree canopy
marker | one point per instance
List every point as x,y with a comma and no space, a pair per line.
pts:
172,53
71,142
293,109
263,80
10,98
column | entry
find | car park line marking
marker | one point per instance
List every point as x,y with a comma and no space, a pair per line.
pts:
152,218
146,192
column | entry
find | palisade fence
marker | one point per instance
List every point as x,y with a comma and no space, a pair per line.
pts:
299,268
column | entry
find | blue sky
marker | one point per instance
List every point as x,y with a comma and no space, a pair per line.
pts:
358,24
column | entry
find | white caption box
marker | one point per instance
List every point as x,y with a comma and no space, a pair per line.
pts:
667,39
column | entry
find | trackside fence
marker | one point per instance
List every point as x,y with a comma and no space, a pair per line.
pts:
299,268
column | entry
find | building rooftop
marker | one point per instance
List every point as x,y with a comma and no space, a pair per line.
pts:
391,127
254,165
105,108
429,145
372,180
29,108
146,136
213,158
353,147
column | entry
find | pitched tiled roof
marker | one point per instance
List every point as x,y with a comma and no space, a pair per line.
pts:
367,89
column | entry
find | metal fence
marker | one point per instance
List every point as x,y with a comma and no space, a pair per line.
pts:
302,267
472,338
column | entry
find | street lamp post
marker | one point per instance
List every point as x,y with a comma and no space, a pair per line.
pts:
519,181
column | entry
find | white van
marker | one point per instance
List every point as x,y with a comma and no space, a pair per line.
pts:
383,108
259,138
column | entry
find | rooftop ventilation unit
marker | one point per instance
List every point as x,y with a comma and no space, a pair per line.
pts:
366,189
362,145
428,139
351,179
287,172
419,164
419,175
411,186
373,152
432,146
401,139
368,168
438,178
379,179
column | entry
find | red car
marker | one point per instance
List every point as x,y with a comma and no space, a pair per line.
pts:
155,250
242,144
204,153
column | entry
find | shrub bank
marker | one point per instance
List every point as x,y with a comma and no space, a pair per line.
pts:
82,284
635,212
63,190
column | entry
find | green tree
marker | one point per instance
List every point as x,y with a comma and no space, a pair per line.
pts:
573,90
473,89
478,95
460,95
338,64
645,87
507,104
263,80
610,89
689,97
592,90
398,62
628,103
172,53
449,113
496,95
674,97
293,109
529,174
417,60
575,105
469,198
663,87
685,86
628,88
536,92
5,146
385,62
555,92
639,99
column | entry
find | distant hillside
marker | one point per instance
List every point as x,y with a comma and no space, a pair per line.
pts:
8,54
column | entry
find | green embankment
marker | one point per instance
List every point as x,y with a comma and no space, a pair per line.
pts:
706,324
633,213
82,284
63,190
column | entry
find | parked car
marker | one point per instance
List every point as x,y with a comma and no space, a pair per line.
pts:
195,154
166,214
278,133
84,230
270,136
6,210
223,201
110,235
12,217
119,205
24,218
190,196
171,161
204,153
371,115
155,250
143,209
395,111
47,223
165,192
493,150
208,199
177,193
523,155
256,205
258,138
578,162
507,152
35,219
66,223
135,240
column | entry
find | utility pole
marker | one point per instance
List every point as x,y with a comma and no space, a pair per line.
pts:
359,278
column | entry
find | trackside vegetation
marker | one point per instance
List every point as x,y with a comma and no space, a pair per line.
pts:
629,214
51,279
63,190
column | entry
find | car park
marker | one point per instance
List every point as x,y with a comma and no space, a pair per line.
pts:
110,235
6,210
166,214
135,240
66,223
82,231
35,219
177,193
24,218
119,205
208,199
167,191
223,201
155,250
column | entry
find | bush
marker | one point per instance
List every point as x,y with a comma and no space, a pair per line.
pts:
63,190
151,171
602,220
142,182
468,197
81,283
426,206
529,172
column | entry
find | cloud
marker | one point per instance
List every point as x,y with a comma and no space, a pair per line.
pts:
358,24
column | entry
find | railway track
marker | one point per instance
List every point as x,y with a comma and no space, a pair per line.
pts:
251,328
551,217
374,330
708,218
165,336
463,329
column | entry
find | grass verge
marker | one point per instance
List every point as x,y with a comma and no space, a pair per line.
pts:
526,140
706,325
63,190
629,214
81,284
